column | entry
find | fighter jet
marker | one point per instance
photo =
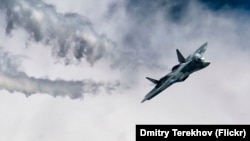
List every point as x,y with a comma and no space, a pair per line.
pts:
180,72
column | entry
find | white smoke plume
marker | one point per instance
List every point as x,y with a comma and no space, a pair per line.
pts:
73,39
70,34
13,80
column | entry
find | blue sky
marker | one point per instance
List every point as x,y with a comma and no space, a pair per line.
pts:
233,4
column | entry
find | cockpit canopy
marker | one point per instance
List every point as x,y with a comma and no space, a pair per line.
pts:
198,58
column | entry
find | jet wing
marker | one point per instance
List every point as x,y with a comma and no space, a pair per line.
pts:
201,50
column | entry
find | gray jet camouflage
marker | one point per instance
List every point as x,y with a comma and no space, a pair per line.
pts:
180,72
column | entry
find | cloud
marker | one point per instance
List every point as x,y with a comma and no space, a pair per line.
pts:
145,37
72,38
150,32
70,35
14,80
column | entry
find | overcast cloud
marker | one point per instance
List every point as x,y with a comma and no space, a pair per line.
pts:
110,46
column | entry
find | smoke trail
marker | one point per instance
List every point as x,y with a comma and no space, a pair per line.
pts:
72,39
14,80
70,34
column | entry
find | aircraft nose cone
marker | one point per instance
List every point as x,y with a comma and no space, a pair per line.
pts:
206,63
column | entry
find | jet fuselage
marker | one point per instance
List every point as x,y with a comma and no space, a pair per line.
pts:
179,72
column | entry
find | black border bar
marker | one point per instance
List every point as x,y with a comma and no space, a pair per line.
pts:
192,132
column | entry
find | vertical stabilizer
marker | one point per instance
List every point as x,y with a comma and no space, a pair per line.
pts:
181,59
201,50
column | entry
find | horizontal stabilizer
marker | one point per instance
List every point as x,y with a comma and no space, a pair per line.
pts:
181,59
152,80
